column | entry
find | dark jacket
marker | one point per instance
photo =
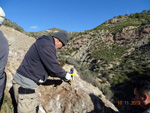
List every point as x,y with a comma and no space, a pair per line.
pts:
4,50
41,61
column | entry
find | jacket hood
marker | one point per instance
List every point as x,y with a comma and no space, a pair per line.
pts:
50,38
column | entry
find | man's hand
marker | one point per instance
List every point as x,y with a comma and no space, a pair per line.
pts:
68,77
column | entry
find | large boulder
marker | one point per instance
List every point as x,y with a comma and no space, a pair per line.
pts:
57,96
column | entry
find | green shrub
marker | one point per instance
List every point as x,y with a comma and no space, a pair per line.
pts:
108,54
107,91
131,20
7,106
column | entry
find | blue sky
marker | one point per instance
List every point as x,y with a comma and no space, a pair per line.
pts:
70,15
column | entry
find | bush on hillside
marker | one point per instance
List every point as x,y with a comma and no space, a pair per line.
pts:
129,20
108,54
13,25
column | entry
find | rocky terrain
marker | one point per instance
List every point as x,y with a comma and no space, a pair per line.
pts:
108,58
111,55
18,46
55,96
82,97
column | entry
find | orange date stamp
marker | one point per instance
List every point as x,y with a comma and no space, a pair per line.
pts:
129,103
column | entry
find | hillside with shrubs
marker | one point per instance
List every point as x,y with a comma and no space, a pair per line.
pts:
109,56
112,55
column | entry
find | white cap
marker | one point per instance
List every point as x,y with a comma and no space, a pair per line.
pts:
2,16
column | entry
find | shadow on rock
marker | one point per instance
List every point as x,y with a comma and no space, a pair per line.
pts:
99,106
52,82
11,91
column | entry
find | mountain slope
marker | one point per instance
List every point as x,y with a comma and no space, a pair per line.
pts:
109,56
54,95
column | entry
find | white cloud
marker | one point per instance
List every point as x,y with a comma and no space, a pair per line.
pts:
33,27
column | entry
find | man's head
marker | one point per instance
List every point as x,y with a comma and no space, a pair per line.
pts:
61,38
2,16
142,91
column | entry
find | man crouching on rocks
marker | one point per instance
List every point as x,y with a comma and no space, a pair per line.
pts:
39,62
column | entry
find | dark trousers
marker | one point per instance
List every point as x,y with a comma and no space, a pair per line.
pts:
2,87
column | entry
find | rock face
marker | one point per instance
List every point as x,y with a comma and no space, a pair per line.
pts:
82,43
59,97
132,32
55,96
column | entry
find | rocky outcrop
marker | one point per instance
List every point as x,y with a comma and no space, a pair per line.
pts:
109,37
59,97
127,33
132,32
130,36
145,30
